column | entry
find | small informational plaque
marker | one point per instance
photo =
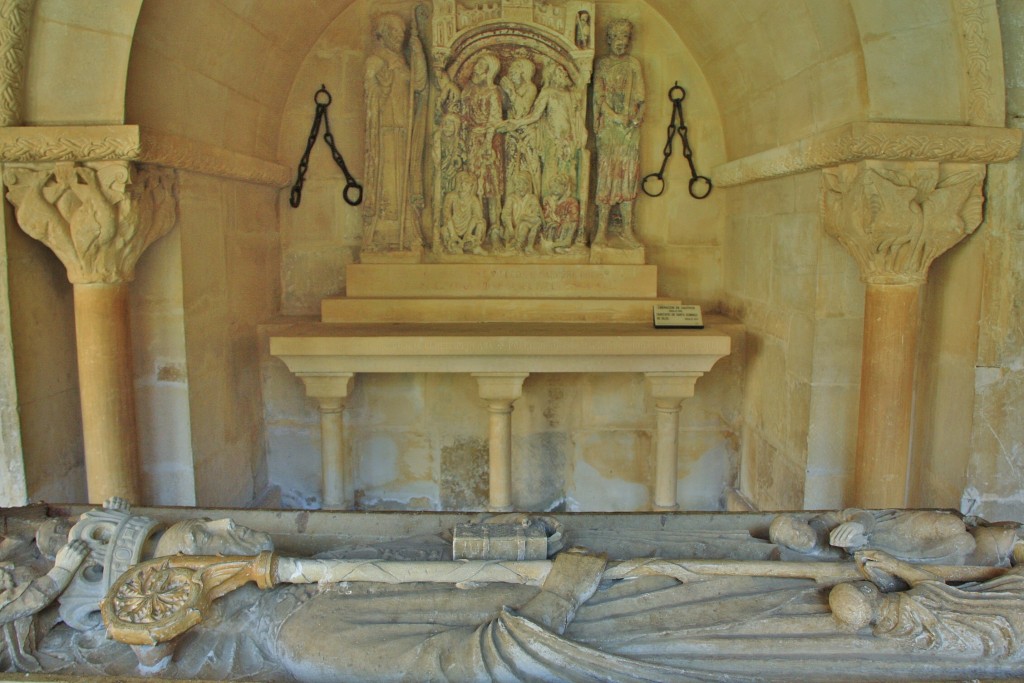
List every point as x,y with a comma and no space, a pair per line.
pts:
678,315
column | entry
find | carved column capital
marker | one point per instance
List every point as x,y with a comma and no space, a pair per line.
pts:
895,218
97,217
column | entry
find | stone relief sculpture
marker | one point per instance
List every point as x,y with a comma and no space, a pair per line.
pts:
507,97
619,104
395,80
576,615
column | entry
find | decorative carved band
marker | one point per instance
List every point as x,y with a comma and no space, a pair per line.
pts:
896,218
14,25
129,143
978,22
69,143
861,141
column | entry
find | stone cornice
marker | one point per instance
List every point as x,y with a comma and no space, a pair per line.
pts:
131,143
863,140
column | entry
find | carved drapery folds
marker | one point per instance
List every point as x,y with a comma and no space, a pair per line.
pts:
97,217
895,219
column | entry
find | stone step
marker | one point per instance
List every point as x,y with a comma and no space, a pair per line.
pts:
410,310
470,281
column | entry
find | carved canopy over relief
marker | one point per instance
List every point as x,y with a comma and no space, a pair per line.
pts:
481,152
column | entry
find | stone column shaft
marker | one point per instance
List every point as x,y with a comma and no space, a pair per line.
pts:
331,393
105,373
895,219
669,389
500,391
888,360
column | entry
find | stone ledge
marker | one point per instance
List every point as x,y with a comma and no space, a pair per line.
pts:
29,144
862,140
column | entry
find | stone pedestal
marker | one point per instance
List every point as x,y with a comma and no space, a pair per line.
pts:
98,218
895,219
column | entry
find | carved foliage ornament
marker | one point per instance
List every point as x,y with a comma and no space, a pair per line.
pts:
895,219
97,217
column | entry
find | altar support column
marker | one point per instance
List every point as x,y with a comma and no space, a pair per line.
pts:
895,218
669,389
98,218
500,390
331,392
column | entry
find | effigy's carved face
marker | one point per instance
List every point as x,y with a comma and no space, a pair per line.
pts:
855,605
212,537
793,534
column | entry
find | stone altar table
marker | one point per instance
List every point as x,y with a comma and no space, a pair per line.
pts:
501,356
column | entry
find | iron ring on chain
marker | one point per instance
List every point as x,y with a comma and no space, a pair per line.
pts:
694,181
660,178
352,184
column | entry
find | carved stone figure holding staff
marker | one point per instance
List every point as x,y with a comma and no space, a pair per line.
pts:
392,86
618,113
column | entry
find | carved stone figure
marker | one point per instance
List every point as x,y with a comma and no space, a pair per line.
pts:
563,228
463,215
555,112
583,29
394,86
482,112
619,105
984,620
576,617
23,599
916,535
521,217
521,154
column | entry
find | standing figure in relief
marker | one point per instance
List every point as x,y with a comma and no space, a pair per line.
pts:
463,218
555,112
618,113
481,111
521,144
392,86
521,217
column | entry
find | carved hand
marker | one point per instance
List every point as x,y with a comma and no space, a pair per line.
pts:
71,555
117,504
848,535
